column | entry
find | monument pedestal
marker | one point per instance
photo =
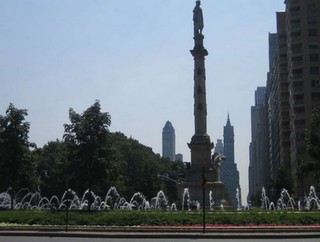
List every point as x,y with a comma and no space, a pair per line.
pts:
196,193
218,194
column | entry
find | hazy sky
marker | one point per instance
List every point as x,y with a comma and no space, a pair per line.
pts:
134,57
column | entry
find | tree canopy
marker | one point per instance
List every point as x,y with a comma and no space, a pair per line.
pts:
88,156
17,168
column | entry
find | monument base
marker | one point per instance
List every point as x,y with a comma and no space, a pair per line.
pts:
195,193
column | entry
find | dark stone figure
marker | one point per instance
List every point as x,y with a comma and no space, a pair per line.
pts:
216,164
197,19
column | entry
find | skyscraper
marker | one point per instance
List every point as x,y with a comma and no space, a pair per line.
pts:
303,42
168,141
293,90
219,147
258,172
229,171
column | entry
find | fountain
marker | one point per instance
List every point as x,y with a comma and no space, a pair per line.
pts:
186,199
161,201
285,201
112,198
24,199
265,202
211,201
238,199
312,201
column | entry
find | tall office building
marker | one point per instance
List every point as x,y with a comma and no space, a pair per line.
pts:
229,171
278,102
303,35
219,147
258,167
293,90
168,141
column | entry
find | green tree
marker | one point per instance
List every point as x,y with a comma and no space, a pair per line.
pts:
17,168
283,179
140,167
90,158
52,168
313,146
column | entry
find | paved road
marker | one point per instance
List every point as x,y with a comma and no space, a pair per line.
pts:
50,239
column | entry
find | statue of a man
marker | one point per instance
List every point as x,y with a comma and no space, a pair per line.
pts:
197,19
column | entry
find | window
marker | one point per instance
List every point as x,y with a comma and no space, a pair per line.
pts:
316,96
300,136
295,34
313,32
315,83
297,73
314,70
312,19
312,7
298,99
313,46
314,58
296,58
299,109
300,123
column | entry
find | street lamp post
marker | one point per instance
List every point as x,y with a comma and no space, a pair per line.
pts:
203,184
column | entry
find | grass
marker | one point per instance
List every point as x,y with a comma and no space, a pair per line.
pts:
153,217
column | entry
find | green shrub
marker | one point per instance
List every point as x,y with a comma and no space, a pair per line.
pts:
153,217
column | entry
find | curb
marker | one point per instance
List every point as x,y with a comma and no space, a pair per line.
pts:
158,232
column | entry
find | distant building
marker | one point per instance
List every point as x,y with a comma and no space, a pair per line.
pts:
229,171
219,147
168,142
179,157
258,166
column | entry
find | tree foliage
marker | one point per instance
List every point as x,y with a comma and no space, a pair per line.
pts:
88,157
17,169
313,146
52,168
87,137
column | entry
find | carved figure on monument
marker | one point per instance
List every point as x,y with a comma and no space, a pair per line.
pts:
216,164
197,19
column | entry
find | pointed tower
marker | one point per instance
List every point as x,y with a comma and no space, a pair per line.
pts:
229,170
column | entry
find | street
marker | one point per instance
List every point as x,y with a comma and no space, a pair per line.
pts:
60,239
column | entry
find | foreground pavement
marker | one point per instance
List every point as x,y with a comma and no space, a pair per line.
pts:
162,232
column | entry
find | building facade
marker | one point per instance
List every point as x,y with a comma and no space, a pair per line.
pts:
219,147
258,166
229,171
303,41
293,90
168,142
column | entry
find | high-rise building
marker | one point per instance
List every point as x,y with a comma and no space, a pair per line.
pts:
179,157
168,141
229,171
258,172
303,42
278,102
219,147
293,90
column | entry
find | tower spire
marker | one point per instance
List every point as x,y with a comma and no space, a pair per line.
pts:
228,120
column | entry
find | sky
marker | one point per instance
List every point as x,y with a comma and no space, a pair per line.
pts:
134,57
